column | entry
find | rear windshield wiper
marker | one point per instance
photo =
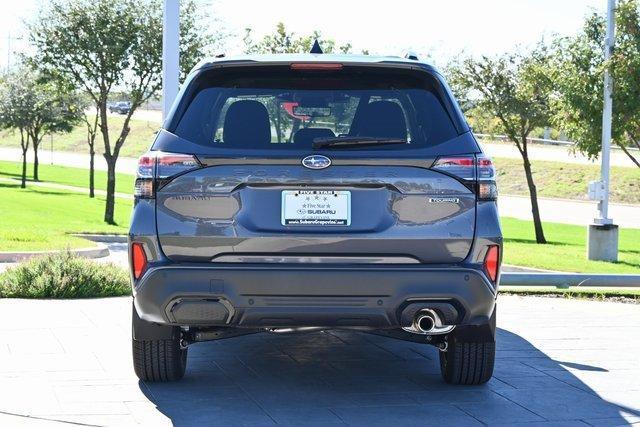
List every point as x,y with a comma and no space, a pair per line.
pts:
354,141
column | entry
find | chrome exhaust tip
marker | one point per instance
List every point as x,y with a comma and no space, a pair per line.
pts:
424,322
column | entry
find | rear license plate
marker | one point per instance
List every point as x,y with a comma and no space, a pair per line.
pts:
316,207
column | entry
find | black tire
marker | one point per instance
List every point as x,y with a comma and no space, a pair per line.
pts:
471,354
159,360
468,363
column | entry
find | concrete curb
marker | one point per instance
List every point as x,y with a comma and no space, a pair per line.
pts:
103,238
565,280
98,251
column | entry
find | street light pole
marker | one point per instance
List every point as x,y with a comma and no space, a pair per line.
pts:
170,54
603,204
603,234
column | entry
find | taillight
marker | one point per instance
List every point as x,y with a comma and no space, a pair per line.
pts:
460,167
476,171
138,260
157,167
492,262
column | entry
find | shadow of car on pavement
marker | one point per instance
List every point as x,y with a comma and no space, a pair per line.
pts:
337,377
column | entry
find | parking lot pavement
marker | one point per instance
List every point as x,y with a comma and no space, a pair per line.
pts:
560,362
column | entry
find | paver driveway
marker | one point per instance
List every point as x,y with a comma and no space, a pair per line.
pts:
561,362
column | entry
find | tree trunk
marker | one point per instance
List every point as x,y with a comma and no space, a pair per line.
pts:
23,184
631,157
92,154
36,162
111,189
533,194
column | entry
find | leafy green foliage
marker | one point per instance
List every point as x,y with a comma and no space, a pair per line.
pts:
578,74
101,45
36,106
282,41
63,275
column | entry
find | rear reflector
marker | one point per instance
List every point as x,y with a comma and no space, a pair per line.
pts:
138,260
492,262
316,66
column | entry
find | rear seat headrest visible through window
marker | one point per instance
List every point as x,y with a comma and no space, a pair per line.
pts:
305,136
246,125
381,119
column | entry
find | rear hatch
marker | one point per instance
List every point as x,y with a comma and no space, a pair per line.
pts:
285,164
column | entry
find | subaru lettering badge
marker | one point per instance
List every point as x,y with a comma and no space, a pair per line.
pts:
316,162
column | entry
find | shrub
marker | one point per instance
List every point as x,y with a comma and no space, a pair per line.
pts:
63,275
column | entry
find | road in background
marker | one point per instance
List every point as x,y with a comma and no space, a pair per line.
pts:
577,212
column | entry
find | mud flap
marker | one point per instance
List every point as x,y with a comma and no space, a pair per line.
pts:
146,331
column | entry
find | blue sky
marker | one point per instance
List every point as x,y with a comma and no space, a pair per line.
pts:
439,29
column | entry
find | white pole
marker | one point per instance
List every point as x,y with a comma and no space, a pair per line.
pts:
170,54
603,204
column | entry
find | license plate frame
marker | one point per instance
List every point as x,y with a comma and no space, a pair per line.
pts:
315,208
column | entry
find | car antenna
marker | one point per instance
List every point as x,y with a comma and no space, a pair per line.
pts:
316,47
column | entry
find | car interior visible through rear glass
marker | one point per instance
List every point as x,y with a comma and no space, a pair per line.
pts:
292,110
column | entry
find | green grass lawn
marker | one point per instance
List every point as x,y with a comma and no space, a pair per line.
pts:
77,177
566,180
566,250
138,142
41,218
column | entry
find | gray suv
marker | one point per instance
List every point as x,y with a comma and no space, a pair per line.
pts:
313,192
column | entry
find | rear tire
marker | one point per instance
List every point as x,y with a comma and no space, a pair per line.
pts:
468,363
159,360
471,354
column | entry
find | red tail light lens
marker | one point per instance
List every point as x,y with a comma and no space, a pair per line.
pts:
138,260
461,167
169,164
471,168
492,262
158,165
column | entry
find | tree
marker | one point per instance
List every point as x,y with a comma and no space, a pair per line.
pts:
91,121
16,98
579,77
104,45
55,110
516,89
282,41
36,106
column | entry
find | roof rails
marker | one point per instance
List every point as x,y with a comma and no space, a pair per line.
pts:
411,55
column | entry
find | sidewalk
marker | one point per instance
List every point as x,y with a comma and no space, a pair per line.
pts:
75,369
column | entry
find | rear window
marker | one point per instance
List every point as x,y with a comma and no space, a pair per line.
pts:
278,108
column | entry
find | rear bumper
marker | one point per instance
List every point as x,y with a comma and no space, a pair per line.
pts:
254,296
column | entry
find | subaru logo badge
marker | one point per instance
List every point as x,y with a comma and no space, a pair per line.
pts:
316,162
